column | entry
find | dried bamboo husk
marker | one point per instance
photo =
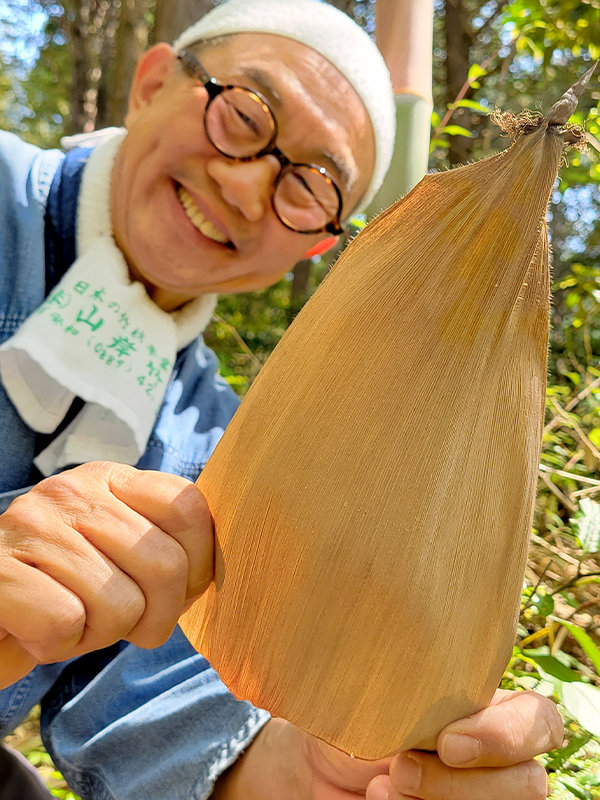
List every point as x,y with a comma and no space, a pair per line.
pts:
373,495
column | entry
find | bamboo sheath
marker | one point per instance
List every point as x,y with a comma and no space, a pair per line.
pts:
373,495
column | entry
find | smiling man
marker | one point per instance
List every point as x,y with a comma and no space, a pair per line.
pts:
246,146
244,214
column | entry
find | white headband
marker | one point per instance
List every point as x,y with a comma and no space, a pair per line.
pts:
332,34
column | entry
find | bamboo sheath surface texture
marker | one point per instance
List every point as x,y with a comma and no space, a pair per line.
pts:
373,495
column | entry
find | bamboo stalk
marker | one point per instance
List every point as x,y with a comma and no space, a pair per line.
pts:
404,34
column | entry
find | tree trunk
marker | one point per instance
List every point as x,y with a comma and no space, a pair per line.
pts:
299,288
130,41
108,59
79,83
458,44
174,16
344,5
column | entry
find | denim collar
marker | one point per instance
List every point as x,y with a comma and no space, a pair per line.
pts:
60,222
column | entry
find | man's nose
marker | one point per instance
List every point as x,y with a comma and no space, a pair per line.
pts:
247,185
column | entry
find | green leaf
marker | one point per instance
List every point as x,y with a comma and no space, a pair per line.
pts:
582,701
574,377
586,642
544,604
359,222
567,282
538,53
595,172
591,579
551,668
538,23
560,757
574,788
456,130
594,436
588,525
476,71
471,104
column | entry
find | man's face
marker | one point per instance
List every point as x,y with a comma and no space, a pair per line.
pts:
191,221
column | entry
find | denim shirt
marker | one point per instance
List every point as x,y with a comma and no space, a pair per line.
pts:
38,195
120,723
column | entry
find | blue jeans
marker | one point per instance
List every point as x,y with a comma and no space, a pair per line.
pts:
132,724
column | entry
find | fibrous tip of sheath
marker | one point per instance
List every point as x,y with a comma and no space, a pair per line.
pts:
564,107
515,124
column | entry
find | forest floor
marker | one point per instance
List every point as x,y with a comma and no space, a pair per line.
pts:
26,739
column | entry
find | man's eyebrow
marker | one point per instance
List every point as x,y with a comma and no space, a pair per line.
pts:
264,84
346,173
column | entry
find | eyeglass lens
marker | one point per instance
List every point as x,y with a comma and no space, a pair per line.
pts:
239,124
304,198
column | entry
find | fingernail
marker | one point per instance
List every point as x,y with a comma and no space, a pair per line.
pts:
409,774
458,748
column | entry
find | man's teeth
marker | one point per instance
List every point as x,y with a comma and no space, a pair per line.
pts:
198,219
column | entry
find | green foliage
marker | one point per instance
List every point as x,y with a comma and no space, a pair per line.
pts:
557,653
540,48
575,766
246,329
47,108
64,794
34,88
588,521
522,54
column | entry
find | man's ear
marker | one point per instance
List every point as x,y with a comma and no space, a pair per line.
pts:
322,247
152,70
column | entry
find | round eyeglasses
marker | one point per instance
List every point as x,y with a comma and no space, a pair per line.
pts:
240,124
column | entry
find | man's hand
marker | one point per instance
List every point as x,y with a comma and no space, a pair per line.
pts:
96,554
494,761
488,756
